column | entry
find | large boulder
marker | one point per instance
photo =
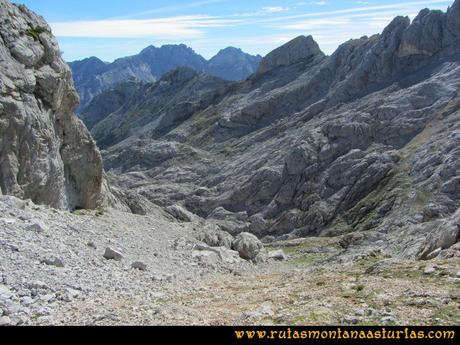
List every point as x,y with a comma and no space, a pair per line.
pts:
214,237
247,245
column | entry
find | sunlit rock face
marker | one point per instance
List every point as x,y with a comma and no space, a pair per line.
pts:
46,152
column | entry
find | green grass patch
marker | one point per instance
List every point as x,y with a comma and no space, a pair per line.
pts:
360,287
35,32
308,259
448,314
80,212
100,212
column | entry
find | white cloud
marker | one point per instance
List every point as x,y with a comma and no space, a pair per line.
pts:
398,7
374,19
318,3
264,11
171,27
316,23
274,9
171,8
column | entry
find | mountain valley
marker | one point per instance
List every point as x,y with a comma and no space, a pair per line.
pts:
298,188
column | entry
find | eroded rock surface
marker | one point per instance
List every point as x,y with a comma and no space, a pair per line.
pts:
46,152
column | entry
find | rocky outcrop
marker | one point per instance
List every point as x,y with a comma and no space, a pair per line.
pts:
300,48
92,76
46,152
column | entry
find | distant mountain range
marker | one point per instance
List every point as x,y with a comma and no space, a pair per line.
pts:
93,76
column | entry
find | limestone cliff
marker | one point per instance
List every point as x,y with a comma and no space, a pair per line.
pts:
46,152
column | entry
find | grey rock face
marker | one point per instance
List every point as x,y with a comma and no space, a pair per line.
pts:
92,76
46,153
442,236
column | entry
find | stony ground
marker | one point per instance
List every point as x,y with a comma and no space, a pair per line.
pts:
53,271
301,291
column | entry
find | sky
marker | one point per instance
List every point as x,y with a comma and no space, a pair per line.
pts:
110,29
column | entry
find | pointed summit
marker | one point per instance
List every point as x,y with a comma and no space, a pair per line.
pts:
233,64
300,48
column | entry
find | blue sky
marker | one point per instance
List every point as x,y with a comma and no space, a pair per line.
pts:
110,29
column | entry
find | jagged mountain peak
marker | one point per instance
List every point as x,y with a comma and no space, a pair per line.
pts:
233,53
233,64
455,8
230,49
89,65
92,59
296,50
168,48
